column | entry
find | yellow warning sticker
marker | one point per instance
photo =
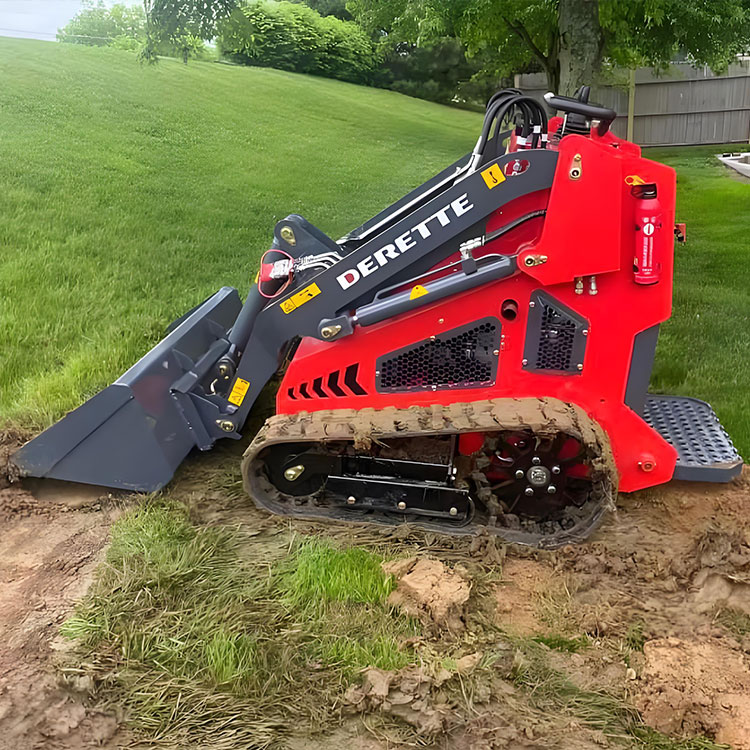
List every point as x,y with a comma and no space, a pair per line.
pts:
493,176
299,299
239,389
417,291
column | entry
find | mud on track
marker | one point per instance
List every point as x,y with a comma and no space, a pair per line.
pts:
664,568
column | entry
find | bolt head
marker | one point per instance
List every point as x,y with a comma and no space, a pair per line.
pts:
538,476
529,491
524,362
293,472
555,469
351,500
226,424
551,489
536,460
402,505
532,303
580,366
453,511
519,474
287,234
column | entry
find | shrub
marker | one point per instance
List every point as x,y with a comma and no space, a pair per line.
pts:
294,37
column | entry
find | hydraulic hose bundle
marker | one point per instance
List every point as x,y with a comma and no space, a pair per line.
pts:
530,129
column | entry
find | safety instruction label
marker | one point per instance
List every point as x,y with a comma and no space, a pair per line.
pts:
299,299
239,389
493,176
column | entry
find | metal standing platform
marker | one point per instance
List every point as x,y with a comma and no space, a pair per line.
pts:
706,452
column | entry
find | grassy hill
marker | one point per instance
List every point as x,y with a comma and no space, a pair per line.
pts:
128,194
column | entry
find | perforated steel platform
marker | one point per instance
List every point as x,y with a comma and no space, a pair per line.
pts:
706,452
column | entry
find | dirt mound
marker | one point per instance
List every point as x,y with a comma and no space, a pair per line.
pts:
404,694
699,687
427,589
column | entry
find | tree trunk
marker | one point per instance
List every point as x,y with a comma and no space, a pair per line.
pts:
580,43
552,68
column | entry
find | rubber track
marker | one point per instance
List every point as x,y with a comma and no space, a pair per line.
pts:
544,416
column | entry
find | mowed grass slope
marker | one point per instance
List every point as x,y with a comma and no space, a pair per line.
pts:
128,194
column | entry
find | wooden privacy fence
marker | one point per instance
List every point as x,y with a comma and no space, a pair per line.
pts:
684,106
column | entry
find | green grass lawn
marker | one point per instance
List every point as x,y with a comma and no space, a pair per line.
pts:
128,194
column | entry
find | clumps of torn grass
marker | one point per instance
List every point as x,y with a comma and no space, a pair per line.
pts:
551,691
197,643
734,620
562,643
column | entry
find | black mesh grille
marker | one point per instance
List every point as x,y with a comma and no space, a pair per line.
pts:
461,358
555,336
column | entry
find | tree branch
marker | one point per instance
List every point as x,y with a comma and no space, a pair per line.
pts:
520,30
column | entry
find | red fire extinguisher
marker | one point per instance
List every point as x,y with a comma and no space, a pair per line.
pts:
649,237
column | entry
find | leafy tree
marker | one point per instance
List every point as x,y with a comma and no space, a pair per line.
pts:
438,71
97,25
174,19
569,39
329,8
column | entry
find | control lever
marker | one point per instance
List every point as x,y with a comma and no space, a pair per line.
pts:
580,106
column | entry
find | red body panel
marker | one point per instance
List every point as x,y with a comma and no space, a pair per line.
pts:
589,230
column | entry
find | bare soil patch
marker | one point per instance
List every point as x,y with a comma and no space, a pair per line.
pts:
50,545
520,595
697,687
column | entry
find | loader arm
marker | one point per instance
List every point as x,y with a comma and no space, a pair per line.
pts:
432,232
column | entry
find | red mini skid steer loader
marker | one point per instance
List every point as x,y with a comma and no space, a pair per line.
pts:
474,358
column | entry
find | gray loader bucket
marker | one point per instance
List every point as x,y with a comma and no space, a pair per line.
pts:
133,434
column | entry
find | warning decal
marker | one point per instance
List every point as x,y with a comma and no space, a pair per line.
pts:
493,176
299,299
417,291
239,389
